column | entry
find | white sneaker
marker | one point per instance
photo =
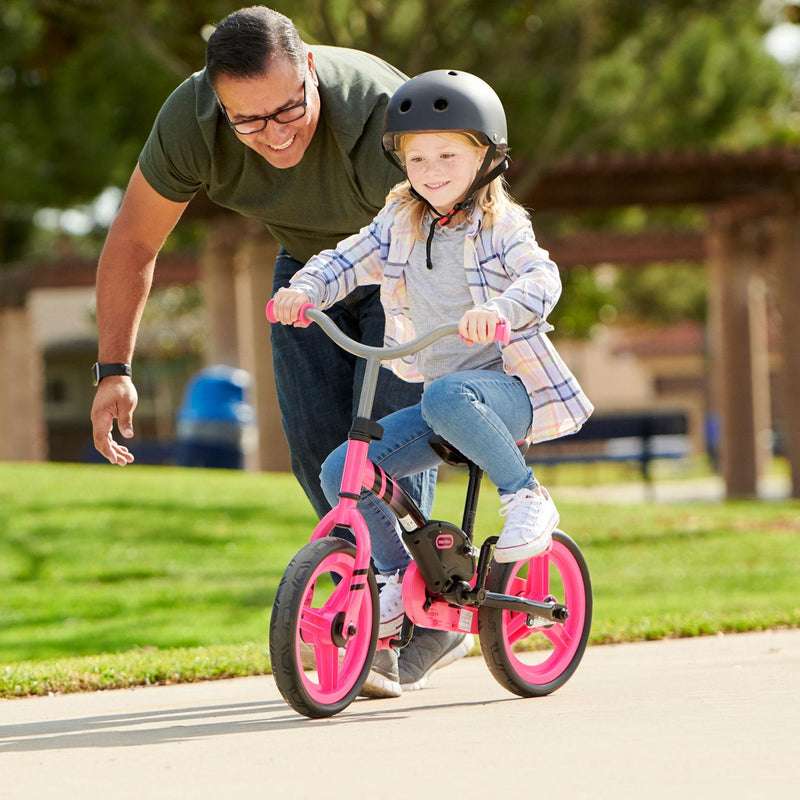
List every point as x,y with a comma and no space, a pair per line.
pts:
391,602
531,516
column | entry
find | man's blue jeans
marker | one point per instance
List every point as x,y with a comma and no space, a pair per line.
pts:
482,413
318,386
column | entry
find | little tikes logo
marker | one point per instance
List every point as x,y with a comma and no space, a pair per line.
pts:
444,541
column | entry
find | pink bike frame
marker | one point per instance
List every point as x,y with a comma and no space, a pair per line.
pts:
347,515
359,472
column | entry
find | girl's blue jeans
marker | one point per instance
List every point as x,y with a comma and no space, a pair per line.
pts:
481,413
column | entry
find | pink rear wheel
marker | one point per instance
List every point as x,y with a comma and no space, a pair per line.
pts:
319,668
535,660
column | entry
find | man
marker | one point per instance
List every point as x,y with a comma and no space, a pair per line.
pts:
291,137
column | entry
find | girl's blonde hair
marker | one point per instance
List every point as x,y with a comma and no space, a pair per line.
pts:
493,199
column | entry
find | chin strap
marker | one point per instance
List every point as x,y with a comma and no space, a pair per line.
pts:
441,221
465,205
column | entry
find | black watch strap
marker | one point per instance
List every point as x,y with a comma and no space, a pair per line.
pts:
100,371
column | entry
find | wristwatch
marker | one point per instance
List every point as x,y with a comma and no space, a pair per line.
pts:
100,371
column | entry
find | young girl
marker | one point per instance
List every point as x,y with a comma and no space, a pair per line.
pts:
451,245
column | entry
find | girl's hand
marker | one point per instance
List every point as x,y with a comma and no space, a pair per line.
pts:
477,326
287,304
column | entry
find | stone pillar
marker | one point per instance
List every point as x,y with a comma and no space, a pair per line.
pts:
738,345
255,262
23,430
786,268
223,236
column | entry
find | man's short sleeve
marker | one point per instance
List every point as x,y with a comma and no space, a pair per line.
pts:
175,160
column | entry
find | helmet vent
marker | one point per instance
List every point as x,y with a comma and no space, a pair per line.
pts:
440,104
405,106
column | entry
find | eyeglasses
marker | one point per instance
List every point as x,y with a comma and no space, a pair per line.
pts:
256,124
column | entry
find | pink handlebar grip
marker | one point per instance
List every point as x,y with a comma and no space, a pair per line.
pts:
502,333
301,317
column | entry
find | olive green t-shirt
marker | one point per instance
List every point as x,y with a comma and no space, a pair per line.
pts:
338,186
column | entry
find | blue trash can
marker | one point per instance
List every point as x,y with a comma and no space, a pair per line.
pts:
216,426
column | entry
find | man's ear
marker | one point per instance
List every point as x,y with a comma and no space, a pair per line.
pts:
311,68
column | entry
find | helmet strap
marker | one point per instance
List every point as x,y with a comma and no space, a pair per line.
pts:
483,178
441,220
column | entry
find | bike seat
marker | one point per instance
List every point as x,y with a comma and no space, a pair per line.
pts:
452,456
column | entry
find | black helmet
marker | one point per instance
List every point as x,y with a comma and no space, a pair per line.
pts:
445,100
449,100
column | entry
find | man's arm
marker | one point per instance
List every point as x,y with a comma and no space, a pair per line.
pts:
124,277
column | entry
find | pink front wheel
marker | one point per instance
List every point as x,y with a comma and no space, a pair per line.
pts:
319,668
535,660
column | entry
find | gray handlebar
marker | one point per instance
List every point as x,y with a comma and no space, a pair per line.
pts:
379,353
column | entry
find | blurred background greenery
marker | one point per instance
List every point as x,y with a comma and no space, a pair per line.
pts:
82,80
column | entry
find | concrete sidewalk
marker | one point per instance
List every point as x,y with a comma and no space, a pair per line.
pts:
713,717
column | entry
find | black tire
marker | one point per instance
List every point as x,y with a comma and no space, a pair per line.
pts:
308,586
561,573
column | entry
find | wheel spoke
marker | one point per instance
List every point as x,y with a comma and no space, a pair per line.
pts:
518,586
309,595
534,586
312,623
341,593
559,636
538,583
327,667
516,627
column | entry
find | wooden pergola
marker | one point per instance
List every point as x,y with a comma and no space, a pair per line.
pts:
751,203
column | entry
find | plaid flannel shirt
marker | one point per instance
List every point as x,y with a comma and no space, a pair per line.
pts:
506,271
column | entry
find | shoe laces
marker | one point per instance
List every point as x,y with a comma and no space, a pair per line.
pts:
391,597
522,507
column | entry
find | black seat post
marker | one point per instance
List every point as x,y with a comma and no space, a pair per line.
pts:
471,500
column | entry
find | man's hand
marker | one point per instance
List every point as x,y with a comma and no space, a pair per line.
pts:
116,399
287,305
124,277
477,326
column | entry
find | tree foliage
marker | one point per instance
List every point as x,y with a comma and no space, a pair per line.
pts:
586,76
82,80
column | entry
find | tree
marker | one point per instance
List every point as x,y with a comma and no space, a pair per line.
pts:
81,80
80,84
581,76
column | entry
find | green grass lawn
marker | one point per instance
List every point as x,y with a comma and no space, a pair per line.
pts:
114,576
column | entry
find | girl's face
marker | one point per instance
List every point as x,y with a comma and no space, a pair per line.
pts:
441,168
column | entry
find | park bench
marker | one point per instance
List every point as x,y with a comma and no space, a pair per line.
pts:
638,437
